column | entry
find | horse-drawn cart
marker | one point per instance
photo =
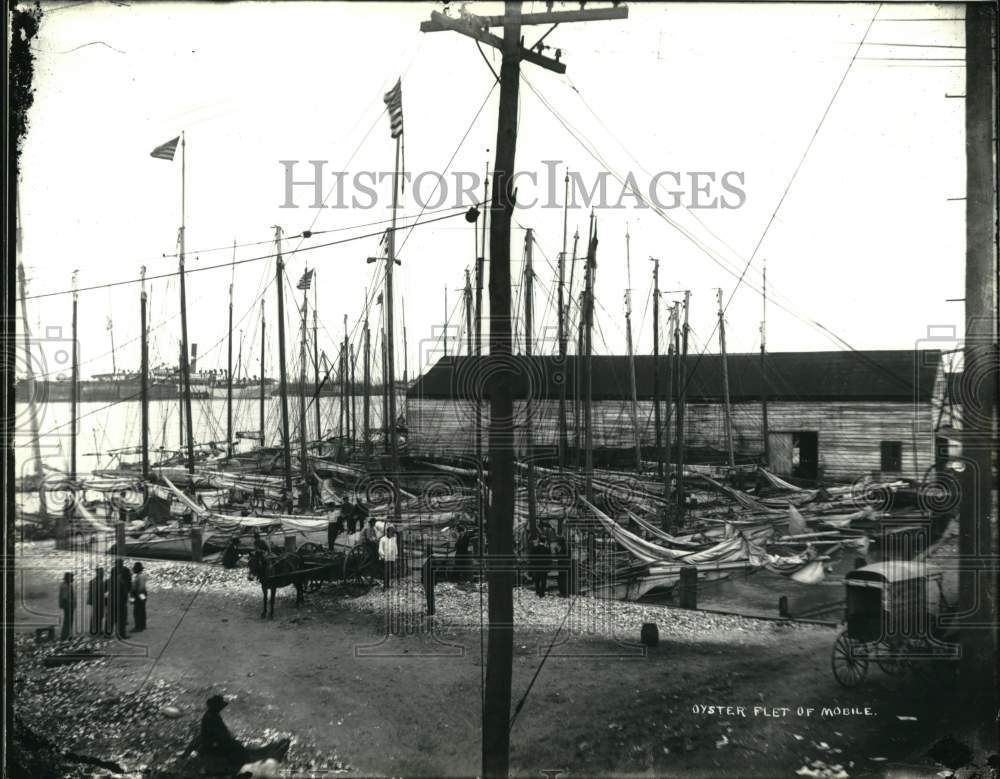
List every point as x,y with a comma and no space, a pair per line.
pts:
895,616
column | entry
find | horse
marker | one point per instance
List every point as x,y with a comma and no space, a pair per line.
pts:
274,571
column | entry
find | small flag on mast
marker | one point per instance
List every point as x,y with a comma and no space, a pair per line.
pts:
394,100
306,281
166,150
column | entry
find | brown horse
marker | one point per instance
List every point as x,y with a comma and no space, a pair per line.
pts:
274,571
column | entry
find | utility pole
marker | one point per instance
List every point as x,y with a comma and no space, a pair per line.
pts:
726,408
529,408
977,571
631,355
283,374
656,366
496,713
681,403
563,437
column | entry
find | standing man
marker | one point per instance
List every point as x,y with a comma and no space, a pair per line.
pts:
139,597
463,554
388,552
539,556
370,538
97,593
349,516
427,577
67,602
121,586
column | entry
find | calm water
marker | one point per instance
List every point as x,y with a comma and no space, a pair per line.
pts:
104,428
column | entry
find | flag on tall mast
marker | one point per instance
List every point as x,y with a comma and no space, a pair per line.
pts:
166,151
394,100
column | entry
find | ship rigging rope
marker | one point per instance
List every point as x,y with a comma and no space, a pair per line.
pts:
189,271
705,249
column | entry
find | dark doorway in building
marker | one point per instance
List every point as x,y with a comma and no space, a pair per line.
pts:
805,454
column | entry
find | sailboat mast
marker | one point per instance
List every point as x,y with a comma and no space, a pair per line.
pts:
467,303
319,422
529,409
229,379
588,366
390,261
561,326
283,374
681,403
74,389
763,374
344,389
263,345
445,330
303,358
367,377
32,391
631,355
144,380
656,367
406,369
185,364
671,359
354,410
727,409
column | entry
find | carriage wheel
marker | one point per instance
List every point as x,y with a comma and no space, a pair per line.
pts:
359,567
849,661
892,659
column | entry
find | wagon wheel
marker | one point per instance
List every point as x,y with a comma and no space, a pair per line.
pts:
310,548
849,661
360,567
893,659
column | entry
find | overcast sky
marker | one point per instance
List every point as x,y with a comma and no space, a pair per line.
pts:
866,242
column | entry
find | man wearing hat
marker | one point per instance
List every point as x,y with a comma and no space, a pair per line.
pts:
218,745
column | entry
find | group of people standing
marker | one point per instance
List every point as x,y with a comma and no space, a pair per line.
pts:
548,550
108,595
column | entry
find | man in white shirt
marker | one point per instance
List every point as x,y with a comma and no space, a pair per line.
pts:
388,552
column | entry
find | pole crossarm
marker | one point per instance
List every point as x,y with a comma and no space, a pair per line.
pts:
470,27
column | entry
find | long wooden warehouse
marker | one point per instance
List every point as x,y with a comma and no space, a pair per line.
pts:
831,415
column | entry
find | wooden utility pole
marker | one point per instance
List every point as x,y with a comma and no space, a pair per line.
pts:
263,386
656,366
631,355
977,571
144,374
561,319
726,408
385,396
478,394
681,403
74,389
500,577
283,374
763,374
390,353
529,406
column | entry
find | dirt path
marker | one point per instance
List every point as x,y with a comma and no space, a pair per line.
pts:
410,705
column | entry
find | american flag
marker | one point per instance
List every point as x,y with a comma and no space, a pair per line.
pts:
306,281
394,99
165,151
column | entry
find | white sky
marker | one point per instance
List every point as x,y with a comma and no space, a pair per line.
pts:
866,242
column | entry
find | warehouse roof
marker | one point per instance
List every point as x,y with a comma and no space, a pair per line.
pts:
890,375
